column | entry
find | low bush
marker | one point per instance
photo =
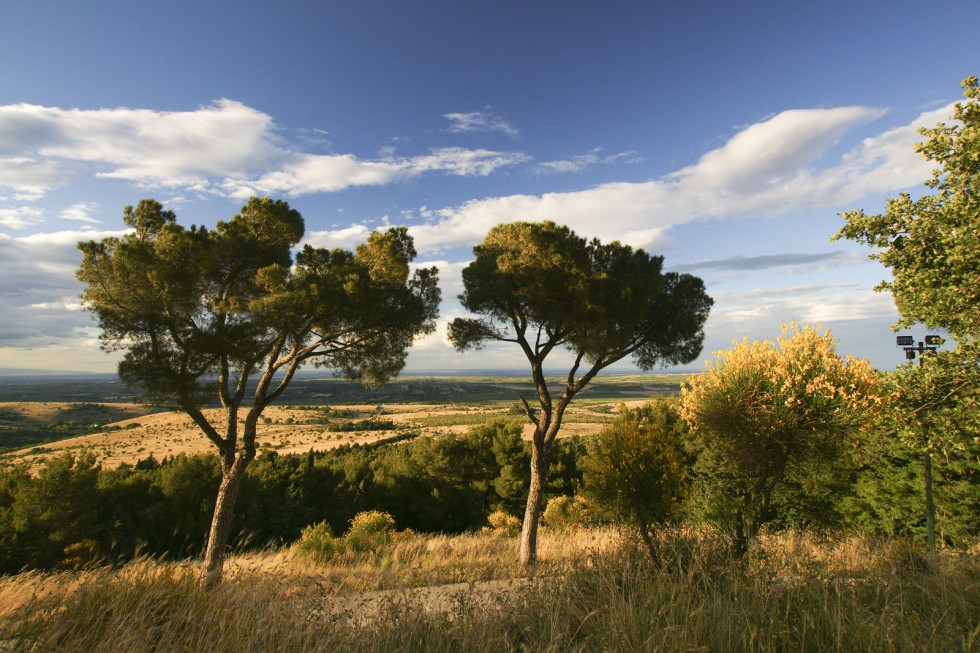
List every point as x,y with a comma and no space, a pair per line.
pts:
565,512
502,524
319,542
369,531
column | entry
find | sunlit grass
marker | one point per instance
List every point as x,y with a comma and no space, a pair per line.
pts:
592,591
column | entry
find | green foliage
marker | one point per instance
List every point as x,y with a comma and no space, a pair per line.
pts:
319,542
888,495
163,508
565,512
932,247
198,312
932,244
637,468
502,524
513,457
542,287
369,531
763,414
47,519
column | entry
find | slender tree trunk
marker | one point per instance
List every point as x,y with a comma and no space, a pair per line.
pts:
930,503
740,546
224,510
532,514
644,527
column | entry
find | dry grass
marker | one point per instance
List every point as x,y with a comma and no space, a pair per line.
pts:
285,429
592,592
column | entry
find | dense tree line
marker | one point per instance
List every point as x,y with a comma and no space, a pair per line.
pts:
72,510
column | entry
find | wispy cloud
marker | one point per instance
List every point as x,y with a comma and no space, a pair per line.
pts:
582,162
460,161
479,121
771,261
80,212
226,148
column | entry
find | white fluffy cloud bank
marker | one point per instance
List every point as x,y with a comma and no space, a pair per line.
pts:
226,148
769,168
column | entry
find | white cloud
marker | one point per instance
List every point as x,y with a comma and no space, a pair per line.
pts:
769,152
347,238
65,304
43,325
19,217
153,147
479,121
226,148
80,212
582,162
463,162
858,317
766,169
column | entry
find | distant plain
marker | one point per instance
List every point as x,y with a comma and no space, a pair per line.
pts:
43,416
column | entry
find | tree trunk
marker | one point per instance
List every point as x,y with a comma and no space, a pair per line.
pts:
644,527
930,503
532,514
224,510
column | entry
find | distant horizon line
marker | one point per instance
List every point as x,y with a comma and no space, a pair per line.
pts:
15,373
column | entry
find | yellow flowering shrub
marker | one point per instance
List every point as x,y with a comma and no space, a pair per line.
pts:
762,406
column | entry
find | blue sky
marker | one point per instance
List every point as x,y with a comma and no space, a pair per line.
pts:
724,135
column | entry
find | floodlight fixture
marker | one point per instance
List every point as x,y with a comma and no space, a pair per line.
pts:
904,341
935,340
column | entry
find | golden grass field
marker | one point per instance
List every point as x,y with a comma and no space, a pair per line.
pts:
139,432
591,591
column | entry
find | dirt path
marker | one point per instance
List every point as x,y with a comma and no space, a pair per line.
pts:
364,608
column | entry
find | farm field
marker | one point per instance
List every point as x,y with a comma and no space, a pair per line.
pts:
321,414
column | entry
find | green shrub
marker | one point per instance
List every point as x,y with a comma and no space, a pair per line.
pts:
502,524
369,531
319,541
565,512
637,469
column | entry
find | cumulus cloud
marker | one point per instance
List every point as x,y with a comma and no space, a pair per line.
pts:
40,304
346,238
153,147
774,151
770,168
226,148
479,121
19,217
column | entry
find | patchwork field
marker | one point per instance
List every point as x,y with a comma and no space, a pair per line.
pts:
118,433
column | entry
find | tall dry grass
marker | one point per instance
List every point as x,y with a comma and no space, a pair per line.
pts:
591,592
